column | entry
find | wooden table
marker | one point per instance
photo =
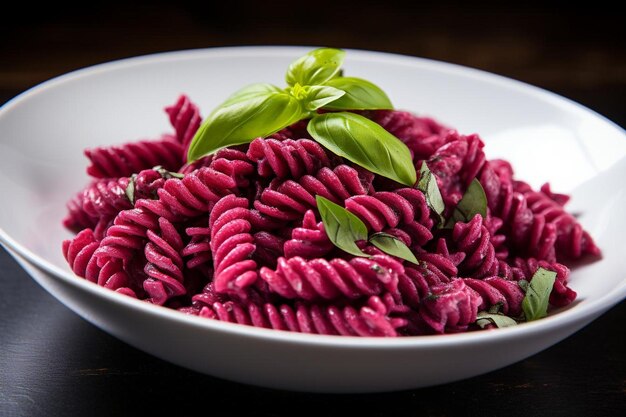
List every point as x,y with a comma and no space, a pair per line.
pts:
52,363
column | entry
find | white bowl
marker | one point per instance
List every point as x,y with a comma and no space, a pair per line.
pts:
43,133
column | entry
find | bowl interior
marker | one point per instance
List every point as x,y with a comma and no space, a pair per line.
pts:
44,131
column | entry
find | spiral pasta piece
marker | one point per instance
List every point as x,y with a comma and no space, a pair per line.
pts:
232,245
570,240
79,253
289,200
450,307
416,283
473,239
164,266
319,278
456,164
77,218
198,250
405,209
185,117
497,291
308,241
125,160
288,158
102,199
372,319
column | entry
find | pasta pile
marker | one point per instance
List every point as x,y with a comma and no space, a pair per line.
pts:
236,236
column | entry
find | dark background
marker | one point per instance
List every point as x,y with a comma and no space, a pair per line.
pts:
54,363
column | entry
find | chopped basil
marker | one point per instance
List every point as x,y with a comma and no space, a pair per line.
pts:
343,228
393,246
535,303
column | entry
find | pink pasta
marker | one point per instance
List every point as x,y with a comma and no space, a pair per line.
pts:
237,236
318,278
164,266
125,160
287,158
403,209
308,241
373,318
185,118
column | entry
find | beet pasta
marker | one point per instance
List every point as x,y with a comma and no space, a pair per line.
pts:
238,235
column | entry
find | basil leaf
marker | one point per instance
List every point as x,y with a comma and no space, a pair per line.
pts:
535,302
474,202
251,91
494,309
316,67
243,118
130,189
523,284
360,95
428,185
320,95
365,143
393,246
167,174
343,228
500,320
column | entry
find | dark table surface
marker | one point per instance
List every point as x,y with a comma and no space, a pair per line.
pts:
53,363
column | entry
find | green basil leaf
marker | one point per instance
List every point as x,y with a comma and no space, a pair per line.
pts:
535,303
393,246
428,185
360,95
500,320
130,189
167,174
343,228
251,91
242,119
318,96
523,284
494,309
365,143
474,202
316,67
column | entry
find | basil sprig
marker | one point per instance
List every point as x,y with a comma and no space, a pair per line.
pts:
244,117
535,302
315,81
344,229
365,143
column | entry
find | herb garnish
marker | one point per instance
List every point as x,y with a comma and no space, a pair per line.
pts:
428,185
393,246
131,186
474,202
535,303
484,318
315,82
344,229
365,143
